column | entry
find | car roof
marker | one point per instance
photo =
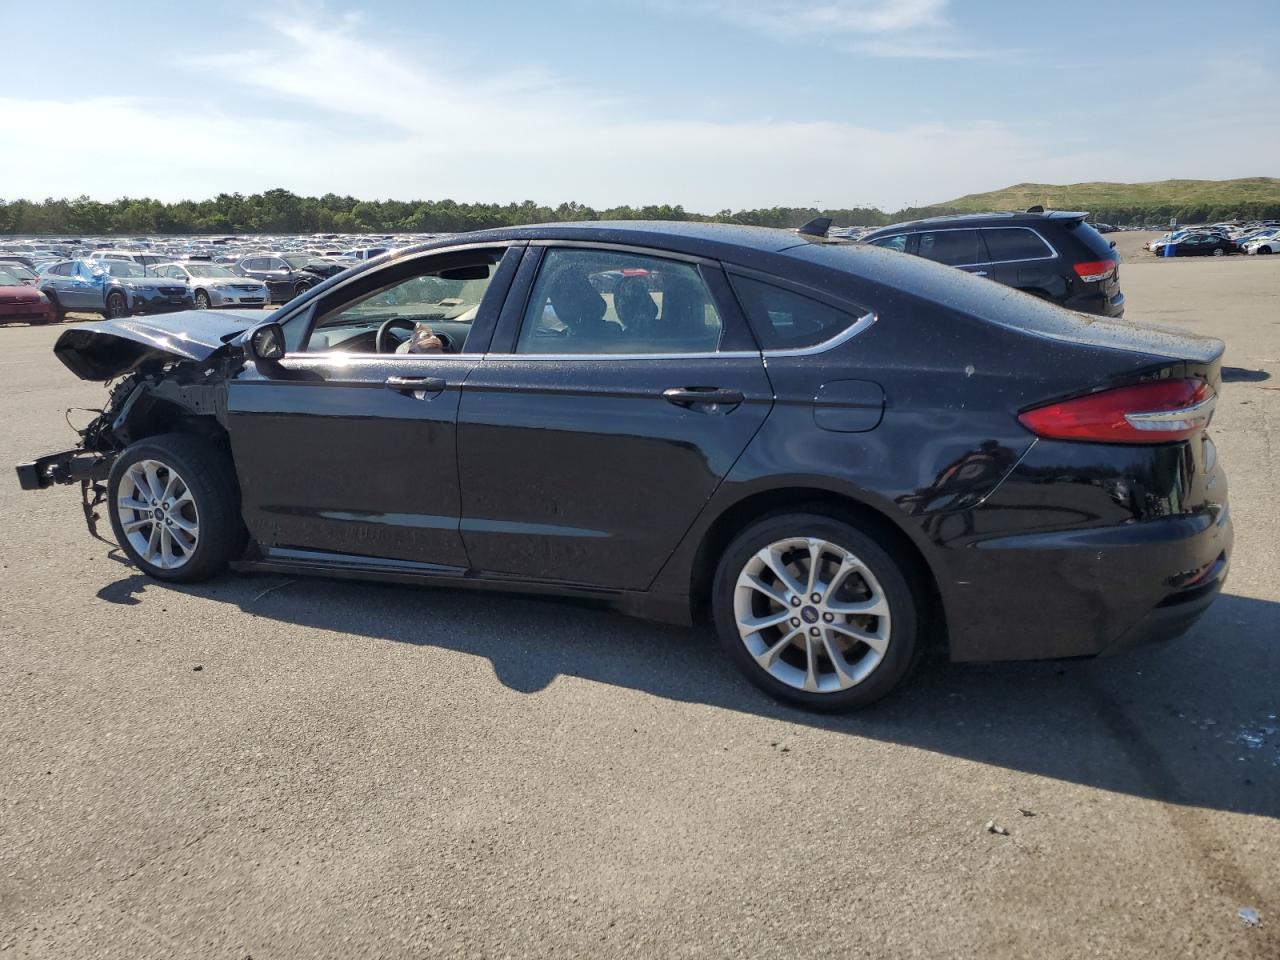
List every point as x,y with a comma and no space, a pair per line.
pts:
999,218
694,238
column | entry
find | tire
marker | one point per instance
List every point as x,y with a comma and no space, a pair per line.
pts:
300,288
886,584
206,498
1265,250
1218,252
202,300
117,306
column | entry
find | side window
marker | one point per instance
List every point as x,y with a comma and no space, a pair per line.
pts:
1015,243
275,263
896,242
953,247
63,269
783,320
430,311
599,301
257,263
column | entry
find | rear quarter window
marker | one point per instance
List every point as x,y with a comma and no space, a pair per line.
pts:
785,320
1015,243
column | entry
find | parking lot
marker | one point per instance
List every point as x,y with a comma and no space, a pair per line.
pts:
261,767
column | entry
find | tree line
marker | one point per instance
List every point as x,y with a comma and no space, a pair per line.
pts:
281,211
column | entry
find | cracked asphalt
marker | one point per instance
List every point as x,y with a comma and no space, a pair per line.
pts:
266,768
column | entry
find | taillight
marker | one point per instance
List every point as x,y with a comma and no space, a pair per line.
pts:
1162,411
1092,270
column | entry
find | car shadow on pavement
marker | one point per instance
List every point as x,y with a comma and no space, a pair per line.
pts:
1191,722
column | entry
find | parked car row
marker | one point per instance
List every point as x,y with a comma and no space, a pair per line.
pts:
1218,240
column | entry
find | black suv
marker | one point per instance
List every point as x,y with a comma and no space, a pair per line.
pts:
1050,254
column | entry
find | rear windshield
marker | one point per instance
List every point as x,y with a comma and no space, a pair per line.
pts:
1091,238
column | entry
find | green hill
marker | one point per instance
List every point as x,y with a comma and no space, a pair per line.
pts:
1128,202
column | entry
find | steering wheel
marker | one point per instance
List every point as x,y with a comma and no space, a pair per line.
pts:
382,342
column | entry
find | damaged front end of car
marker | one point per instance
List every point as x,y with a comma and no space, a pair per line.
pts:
165,373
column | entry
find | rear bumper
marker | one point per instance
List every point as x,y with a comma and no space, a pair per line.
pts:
1098,304
1085,592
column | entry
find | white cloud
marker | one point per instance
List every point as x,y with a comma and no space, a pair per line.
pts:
913,29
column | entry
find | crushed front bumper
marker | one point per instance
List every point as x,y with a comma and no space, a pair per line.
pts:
69,466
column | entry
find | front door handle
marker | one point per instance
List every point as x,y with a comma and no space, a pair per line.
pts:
978,273
428,386
689,396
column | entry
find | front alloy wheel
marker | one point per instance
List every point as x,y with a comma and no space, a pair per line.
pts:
818,611
117,306
202,300
158,515
175,507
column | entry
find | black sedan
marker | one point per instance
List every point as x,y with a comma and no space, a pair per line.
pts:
287,275
1197,245
837,453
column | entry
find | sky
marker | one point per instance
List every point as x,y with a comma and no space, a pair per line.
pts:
711,104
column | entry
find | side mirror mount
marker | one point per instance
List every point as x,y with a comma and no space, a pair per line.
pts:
266,343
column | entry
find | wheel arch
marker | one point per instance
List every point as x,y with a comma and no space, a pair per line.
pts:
169,407
811,498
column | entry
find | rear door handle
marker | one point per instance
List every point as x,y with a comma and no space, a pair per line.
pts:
688,396
424,385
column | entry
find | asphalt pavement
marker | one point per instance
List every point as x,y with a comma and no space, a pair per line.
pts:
268,768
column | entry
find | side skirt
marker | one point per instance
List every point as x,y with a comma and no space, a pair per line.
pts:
314,563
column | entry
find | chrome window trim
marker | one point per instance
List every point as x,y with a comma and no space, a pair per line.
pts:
725,355
342,357
845,335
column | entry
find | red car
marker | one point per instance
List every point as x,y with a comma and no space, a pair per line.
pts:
22,301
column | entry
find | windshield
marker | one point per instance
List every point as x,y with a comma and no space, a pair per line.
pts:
19,271
8,279
207,270
122,268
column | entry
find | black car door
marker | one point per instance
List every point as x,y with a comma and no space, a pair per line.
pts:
1020,257
621,388
344,448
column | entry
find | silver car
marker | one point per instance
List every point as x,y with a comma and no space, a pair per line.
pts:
213,285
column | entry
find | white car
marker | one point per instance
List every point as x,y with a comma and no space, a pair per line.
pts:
1268,243
213,285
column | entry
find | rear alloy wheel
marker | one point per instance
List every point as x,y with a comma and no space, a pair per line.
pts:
813,610
174,507
202,300
117,306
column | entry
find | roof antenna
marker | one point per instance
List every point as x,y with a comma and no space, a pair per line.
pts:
1036,209
817,227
